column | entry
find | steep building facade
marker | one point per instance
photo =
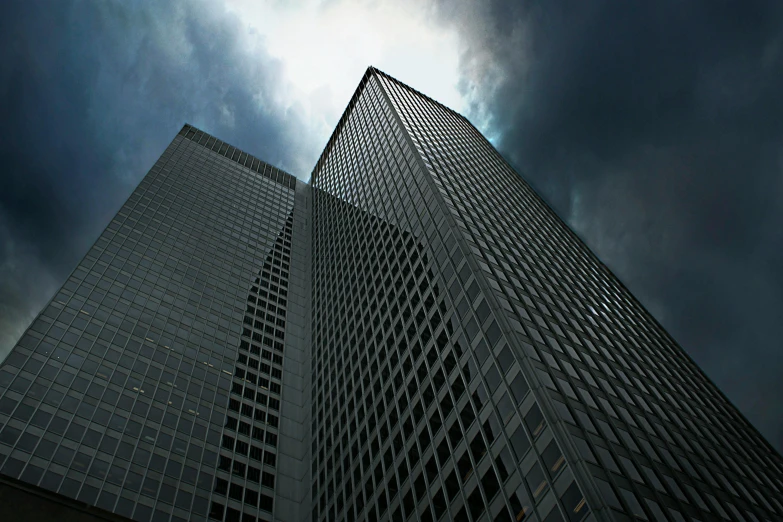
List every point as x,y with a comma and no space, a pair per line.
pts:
160,382
414,335
645,434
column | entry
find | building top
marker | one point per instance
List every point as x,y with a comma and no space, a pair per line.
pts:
235,154
349,109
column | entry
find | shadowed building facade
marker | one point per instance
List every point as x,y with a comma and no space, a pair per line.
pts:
169,362
414,335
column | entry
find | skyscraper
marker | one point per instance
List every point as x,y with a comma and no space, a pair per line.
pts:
175,345
414,335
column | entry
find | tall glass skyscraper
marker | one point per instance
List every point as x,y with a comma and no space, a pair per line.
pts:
414,335
170,362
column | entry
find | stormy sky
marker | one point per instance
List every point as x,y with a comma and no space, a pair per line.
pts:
655,129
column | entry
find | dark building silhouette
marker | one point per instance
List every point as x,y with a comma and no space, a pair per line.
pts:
414,335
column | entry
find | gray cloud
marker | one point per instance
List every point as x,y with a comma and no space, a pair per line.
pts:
90,95
656,131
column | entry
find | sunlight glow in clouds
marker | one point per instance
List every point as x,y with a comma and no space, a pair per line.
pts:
325,47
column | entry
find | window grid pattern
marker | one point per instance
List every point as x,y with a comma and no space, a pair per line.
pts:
248,455
237,155
118,394
419,411
416,337
666,439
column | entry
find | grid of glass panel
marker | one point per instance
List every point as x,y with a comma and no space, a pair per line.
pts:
420,410
417,337
657,439
123,392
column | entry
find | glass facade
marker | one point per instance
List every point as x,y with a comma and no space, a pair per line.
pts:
645,433
135,388
436,417
414,335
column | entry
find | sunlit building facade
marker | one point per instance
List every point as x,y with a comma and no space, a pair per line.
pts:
414,335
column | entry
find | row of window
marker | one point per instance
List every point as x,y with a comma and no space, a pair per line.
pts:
237,155
250,386
460,160
124,378
384,310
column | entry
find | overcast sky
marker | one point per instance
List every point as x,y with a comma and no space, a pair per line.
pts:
655,129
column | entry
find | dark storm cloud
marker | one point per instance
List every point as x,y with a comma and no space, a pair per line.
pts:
656,130
90,95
